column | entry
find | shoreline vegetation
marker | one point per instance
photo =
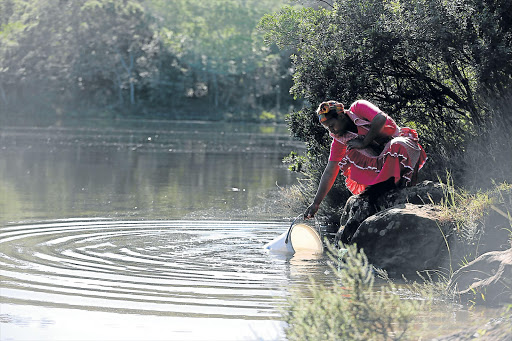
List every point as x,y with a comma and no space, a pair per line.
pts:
258,116
440,67
181,59
352,309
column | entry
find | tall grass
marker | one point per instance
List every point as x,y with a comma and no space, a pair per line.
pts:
469,210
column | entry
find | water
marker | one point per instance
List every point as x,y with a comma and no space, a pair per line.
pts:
151,169
149,230
191,272
144,230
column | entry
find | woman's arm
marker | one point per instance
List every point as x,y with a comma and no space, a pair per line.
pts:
328,177
376,126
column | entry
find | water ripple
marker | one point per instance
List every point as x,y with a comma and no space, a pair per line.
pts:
180,268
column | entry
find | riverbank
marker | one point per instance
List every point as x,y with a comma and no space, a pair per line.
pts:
195,110
480,225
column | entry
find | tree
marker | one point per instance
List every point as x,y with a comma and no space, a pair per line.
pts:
221,49
430,64
76,52
59,55
30,38
114,43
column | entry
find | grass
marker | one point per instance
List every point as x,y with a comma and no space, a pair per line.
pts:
471,211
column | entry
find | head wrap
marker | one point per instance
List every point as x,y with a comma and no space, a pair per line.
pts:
325,107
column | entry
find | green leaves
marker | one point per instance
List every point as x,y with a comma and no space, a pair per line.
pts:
151,53
352,308
430,63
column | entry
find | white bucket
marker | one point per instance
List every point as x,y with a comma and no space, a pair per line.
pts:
302,238
278,245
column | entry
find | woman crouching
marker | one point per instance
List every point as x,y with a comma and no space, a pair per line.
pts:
373,153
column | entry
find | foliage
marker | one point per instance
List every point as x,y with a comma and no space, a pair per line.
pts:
478,216
56,55
487,159
351,309
221,50
97,51
435,66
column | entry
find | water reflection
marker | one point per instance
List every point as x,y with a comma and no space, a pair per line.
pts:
181,268
89,248
156,170
189,271
74,324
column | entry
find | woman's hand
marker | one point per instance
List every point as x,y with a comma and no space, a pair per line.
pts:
311,210
326,181
356,143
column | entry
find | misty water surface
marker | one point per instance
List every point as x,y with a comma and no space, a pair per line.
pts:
149,169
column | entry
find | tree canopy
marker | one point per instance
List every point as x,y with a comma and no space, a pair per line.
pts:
435,65
161,56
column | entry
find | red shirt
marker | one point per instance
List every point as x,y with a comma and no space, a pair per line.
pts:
362,113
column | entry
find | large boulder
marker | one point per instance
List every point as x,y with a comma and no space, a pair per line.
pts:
358,207
405,239
487,279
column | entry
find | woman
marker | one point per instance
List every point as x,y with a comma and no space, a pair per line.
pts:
369,148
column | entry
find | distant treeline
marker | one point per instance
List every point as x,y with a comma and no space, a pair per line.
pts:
179,58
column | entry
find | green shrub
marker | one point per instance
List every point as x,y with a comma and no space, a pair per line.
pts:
351,309
425,63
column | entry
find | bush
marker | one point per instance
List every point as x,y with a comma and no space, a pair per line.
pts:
428,64
351,309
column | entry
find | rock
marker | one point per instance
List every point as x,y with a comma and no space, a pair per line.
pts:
404,239
494,230
426,192
356,210
397,231
358,207
494,330
487,279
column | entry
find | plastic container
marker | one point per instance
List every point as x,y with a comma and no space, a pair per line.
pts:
299,237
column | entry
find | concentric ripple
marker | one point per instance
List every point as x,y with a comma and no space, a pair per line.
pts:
179,268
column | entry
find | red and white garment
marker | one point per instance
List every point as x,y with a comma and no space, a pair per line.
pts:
401,157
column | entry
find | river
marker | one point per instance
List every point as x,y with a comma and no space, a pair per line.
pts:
149,230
